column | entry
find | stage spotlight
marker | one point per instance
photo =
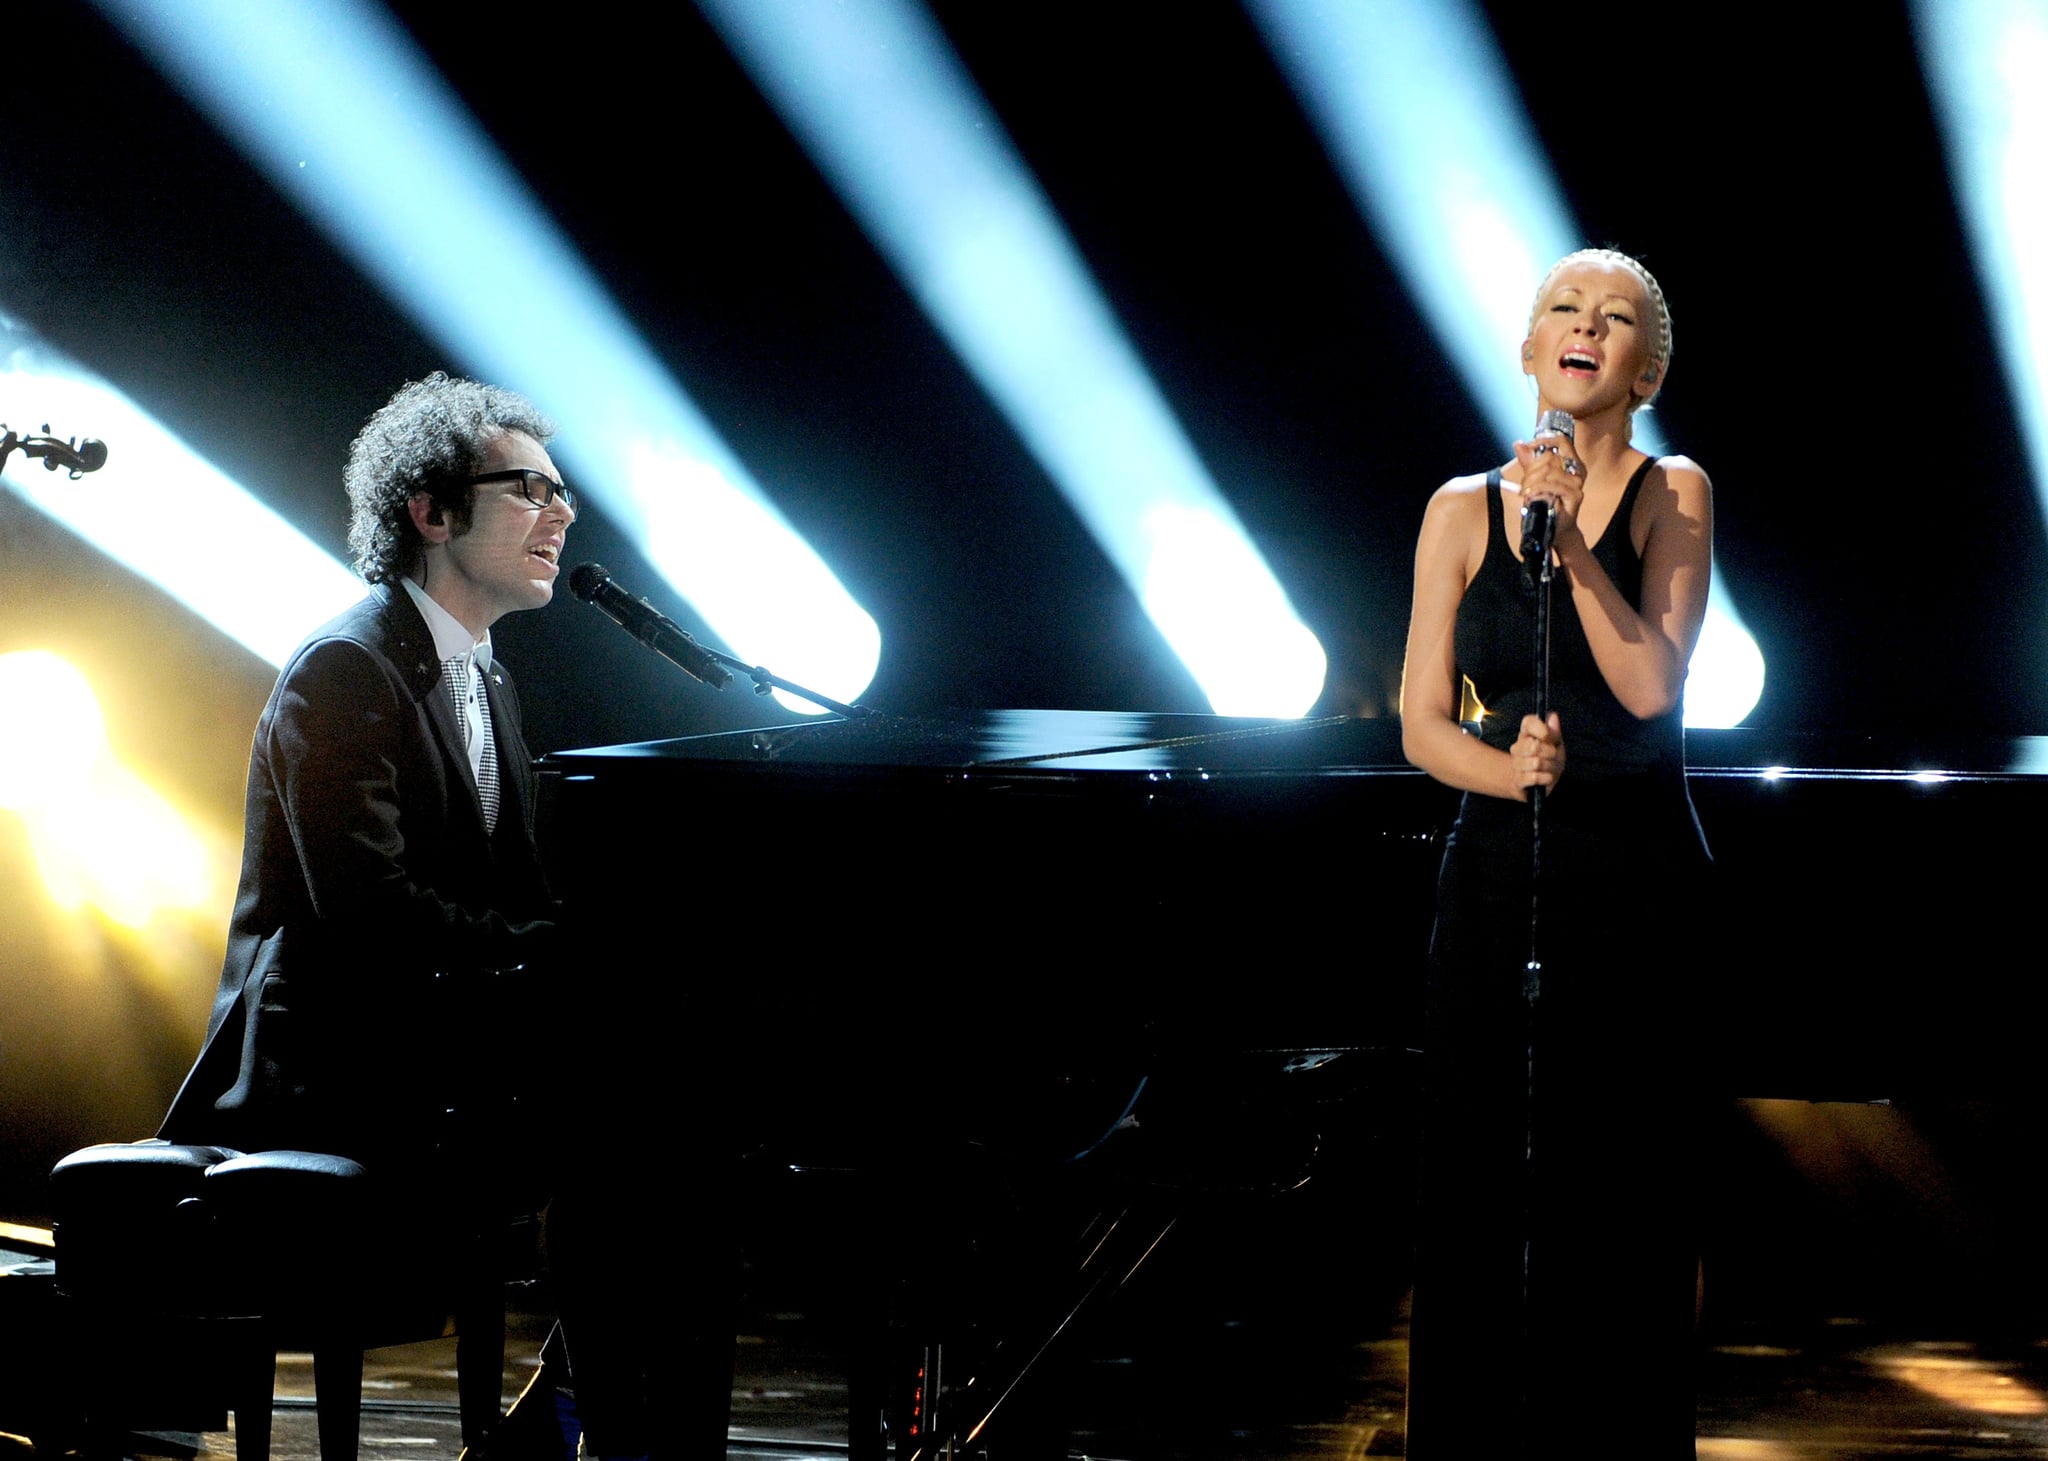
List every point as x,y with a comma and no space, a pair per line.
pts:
1984,60
51,731
161,510
887,111
1416,109
100,836
334,102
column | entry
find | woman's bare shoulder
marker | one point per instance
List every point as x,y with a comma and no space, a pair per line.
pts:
1460,495
1454,526
1683,474
1677,487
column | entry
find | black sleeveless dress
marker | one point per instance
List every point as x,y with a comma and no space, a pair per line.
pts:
1565,1122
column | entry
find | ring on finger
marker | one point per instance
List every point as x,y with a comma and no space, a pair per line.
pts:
1571,467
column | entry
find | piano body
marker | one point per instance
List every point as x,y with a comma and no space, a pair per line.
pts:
1202,883
1182,956
1007,918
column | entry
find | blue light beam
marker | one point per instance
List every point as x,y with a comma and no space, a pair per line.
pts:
161,510
1415,108
888,113
1984,61
335,104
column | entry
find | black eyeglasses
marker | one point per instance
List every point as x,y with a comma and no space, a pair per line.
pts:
536,486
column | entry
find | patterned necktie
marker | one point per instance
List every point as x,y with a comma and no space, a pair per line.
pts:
473,714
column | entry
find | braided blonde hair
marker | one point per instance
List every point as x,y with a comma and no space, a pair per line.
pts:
1660,338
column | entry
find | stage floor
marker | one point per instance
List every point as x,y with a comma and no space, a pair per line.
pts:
1848,1390
1863,1301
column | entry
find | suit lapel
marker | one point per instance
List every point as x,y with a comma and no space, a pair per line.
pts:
441,715
412,647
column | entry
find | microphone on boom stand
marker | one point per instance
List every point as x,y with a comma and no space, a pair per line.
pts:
648,624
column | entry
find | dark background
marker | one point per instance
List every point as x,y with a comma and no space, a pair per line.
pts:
1833,368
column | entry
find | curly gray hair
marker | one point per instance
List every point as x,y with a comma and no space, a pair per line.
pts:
431,437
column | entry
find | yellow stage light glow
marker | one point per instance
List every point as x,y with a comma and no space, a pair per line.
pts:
51,731
1963,1379
101,836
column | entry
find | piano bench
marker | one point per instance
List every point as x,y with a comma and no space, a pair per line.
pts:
219,1258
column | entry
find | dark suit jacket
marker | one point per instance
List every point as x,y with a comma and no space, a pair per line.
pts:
373,905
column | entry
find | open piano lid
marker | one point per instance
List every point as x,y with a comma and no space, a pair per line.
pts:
1061,739
1155,741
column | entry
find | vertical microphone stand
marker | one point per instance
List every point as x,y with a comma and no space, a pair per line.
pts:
1537,537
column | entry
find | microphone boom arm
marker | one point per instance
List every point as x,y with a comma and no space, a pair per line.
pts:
596,587
764,682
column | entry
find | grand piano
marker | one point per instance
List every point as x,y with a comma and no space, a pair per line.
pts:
1182,955
1104,882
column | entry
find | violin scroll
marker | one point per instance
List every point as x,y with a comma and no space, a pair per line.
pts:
78,456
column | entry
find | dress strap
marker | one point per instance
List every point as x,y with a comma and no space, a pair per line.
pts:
1626,511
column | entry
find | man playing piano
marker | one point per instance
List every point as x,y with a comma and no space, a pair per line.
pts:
388,838
391,887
